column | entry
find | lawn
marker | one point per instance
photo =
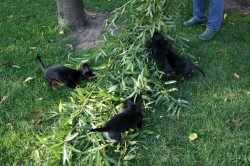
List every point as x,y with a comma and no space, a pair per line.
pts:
219,110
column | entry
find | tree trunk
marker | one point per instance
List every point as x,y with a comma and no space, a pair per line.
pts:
70,12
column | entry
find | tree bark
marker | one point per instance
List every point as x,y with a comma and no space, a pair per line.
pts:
70,12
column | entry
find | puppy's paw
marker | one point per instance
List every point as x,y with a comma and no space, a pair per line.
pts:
182,79
59,83
54,88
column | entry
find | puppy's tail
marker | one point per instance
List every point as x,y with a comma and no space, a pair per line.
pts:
40,62
197,68
100,129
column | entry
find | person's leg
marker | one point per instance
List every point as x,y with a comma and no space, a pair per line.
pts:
199,10
198,13
214,20
215,15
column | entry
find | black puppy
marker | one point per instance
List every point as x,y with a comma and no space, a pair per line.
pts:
63,75
129,117
159,50
182,65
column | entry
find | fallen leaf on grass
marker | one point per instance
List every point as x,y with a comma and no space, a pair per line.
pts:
9,125
39,99
38,122
34,112
192,137
221,51
236,75
133,142
15,66
61,31
194,158
231,23
225,15
10,16
129,157
71,46
5,62
32,48
3,99
148,132
28,79
93,15
247,92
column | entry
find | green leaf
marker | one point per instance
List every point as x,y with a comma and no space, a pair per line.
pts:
123,68
65,155
40,139
60,107
109,158
148,132
55,152
70,137
192,136
169,82
56,145
37,155
103,52
129,157
90,150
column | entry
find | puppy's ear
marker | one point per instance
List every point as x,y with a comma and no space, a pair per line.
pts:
157,36
127,103
133,107
85,68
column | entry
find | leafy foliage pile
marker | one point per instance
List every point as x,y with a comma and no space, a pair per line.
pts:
123,68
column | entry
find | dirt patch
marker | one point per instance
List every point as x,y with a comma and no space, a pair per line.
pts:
242,6
90,35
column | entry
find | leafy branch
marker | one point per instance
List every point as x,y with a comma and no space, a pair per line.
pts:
123,68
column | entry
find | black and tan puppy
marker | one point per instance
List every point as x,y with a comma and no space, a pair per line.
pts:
182,65
129,117
159,50
64,75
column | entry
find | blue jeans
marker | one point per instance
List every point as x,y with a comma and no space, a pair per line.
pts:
215,13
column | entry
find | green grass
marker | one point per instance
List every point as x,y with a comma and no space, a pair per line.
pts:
219,107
